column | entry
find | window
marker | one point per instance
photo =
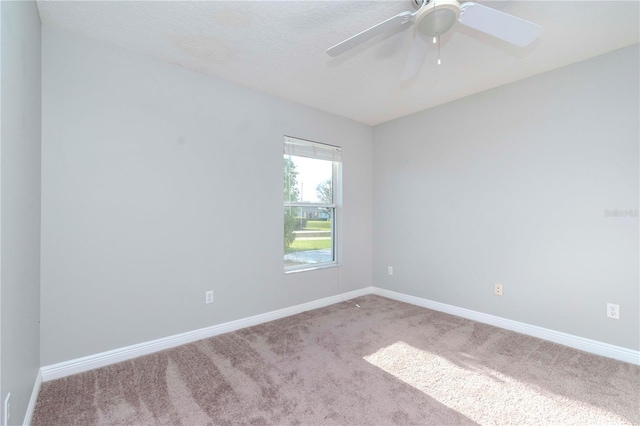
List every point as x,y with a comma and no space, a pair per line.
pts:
311,185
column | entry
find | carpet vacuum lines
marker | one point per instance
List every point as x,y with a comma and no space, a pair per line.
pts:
385,363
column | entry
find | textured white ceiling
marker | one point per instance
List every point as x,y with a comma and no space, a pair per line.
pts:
279,47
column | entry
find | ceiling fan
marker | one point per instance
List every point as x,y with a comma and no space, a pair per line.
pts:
435,17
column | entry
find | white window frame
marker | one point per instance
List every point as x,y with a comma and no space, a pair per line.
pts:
305,148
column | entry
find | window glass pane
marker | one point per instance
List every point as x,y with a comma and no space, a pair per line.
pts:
308,180
309,210
309,234
309,205
291,191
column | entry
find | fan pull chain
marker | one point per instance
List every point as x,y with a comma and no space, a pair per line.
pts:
438,36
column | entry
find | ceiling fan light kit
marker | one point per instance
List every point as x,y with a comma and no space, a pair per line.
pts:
435,17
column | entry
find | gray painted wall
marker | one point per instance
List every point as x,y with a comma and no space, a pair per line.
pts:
511,185
160,183
20,199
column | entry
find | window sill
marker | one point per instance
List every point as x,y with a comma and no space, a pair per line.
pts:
312,267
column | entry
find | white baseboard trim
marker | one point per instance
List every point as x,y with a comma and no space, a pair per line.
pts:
576,342
79,365
34,398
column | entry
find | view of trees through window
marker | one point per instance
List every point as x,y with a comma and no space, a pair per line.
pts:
309,211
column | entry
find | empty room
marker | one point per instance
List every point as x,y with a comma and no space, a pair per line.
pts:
337,212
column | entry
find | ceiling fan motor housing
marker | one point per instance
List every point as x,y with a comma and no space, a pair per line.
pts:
437,17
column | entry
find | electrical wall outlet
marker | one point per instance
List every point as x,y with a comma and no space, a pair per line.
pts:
208,297
389,270
497,289
7,409
613,310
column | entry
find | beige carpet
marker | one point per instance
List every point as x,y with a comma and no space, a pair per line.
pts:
384,363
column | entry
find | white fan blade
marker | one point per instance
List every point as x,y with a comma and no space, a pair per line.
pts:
416,57
499,24
365,35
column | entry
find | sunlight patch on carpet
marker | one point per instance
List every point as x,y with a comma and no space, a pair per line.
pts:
482,394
